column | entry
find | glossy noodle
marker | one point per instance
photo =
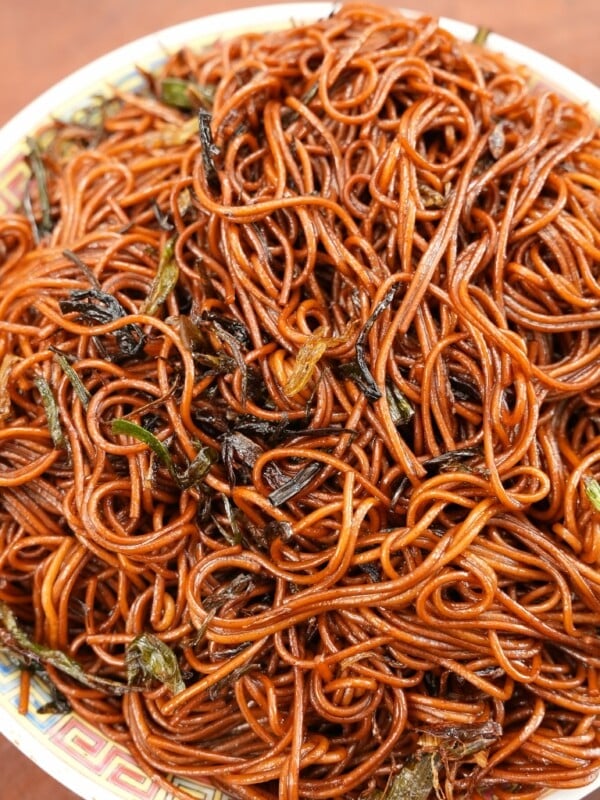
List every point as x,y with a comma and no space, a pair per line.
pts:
300,418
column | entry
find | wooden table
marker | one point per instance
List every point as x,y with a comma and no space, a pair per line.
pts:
43,41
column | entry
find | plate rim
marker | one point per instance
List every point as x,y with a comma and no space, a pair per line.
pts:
80,84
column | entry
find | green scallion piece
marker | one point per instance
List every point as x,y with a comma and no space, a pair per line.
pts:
136,431
481,35
39,173
592,491
51,411
184,94
78,387
16,640
415,781
176,92
186,478
165,280
149,659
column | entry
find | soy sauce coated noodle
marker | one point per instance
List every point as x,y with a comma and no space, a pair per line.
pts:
382,333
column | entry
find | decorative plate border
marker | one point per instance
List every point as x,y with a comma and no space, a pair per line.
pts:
67,747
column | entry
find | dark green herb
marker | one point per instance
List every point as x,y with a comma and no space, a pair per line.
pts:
51,411
95,307
78,387
295,485
351,371
310,94
209,149
239,451
371,570
165,279
148,660
38,169
192,335
14,638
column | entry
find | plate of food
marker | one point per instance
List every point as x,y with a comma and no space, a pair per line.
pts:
299,432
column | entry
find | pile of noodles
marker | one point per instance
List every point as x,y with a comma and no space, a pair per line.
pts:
339,286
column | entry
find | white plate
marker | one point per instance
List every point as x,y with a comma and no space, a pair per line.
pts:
67,747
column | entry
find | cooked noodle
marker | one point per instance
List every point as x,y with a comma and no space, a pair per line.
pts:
369,534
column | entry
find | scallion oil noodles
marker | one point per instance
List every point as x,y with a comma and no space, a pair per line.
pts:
299,419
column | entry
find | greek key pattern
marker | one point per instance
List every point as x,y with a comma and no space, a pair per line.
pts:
68,741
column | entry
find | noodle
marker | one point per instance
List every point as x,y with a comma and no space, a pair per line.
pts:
299,369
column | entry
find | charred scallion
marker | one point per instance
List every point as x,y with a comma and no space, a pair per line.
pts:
295,485
400,409
16,640
450,460
238,586
38,169
80,263
209,149
366,380
95,307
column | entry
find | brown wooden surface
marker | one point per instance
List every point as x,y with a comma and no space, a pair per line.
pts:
42,41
